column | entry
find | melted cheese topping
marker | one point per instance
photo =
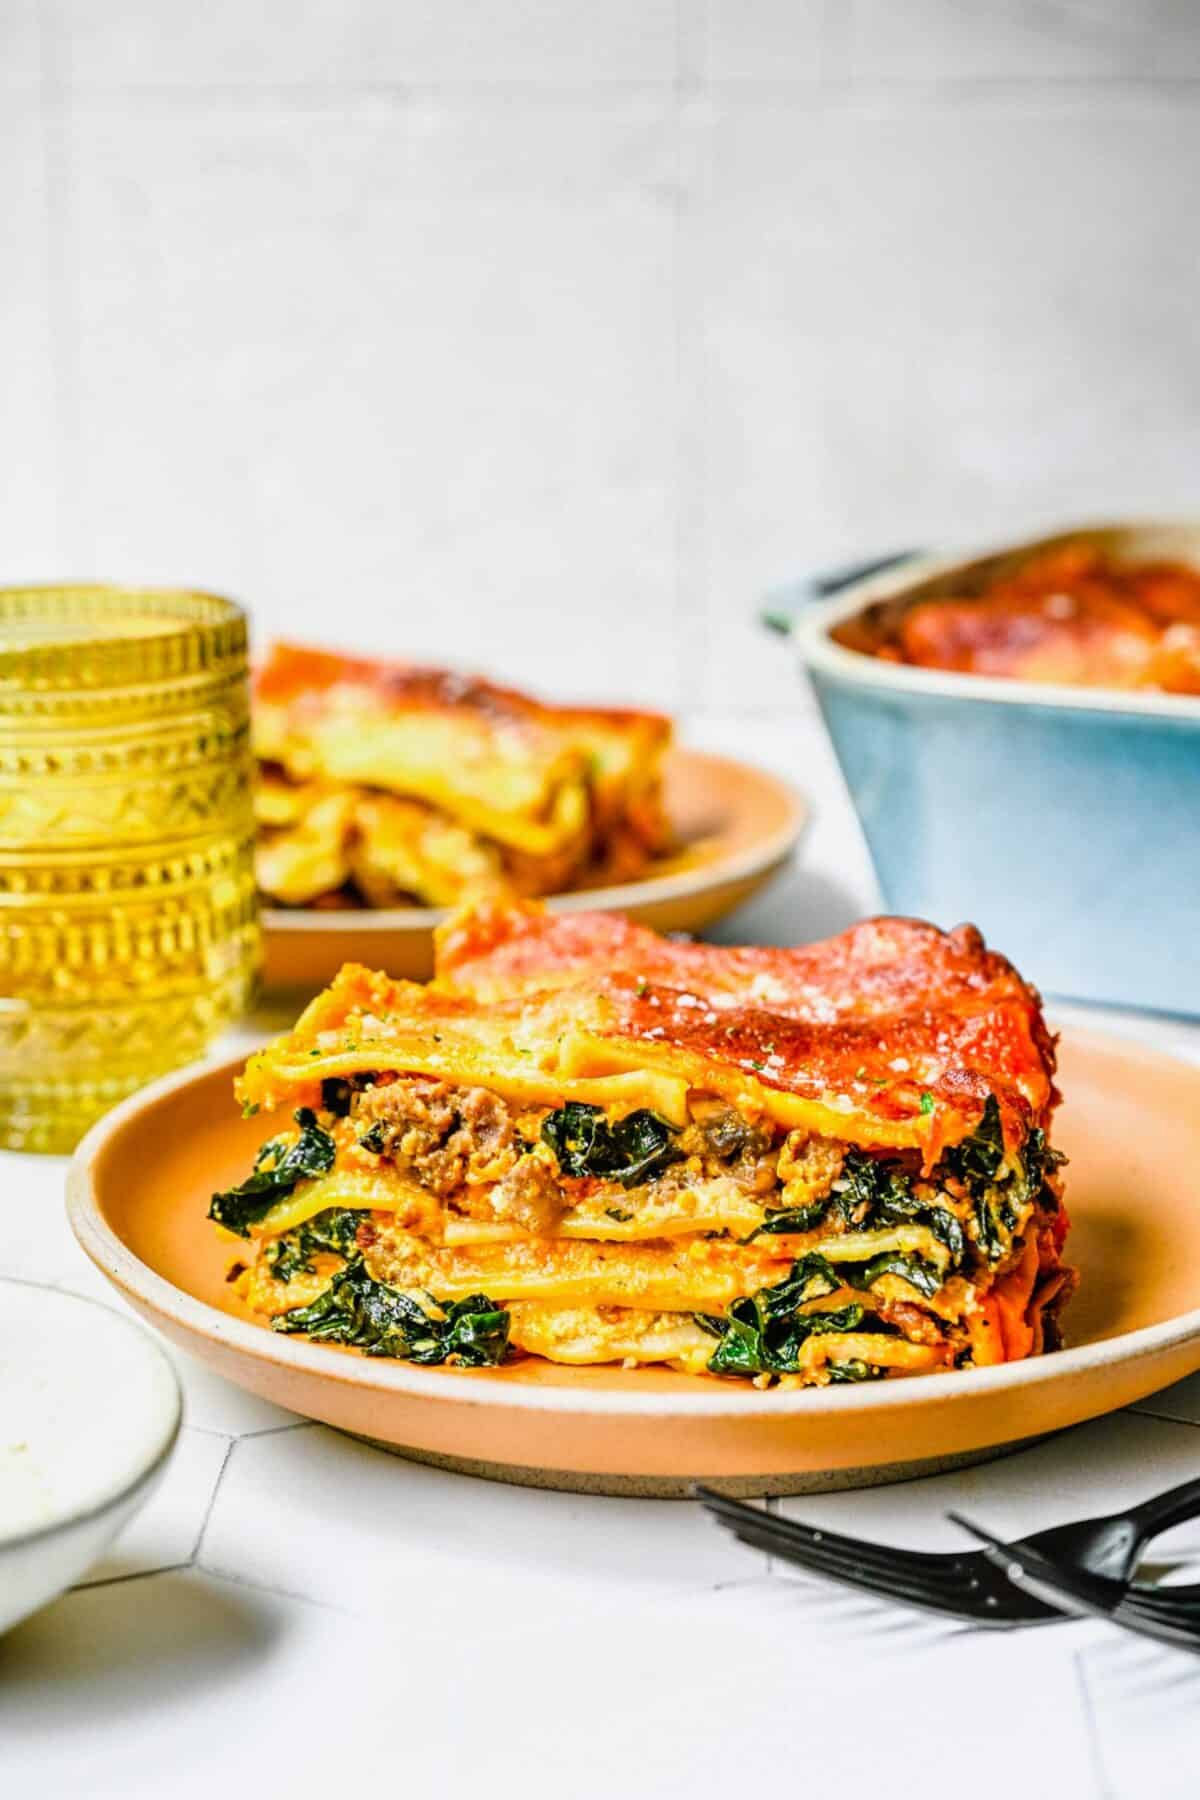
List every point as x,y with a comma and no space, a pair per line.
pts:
892,1036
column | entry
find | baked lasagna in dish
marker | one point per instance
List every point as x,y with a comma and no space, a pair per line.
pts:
1070,615
584,1142
382,784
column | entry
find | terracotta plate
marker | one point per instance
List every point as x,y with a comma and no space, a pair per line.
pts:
139,1188
735,827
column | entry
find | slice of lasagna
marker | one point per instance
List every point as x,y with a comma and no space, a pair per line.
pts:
383,783
1069,614
588,1143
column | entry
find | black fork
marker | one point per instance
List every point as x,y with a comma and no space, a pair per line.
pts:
1171,1615
966,1584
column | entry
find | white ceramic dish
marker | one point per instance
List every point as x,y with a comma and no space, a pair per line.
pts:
89,1413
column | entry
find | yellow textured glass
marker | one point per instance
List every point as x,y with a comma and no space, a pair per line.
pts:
128,923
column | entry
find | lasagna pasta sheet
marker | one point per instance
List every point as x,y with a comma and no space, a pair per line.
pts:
585,1142
382,783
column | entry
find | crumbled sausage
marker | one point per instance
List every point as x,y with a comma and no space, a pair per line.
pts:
919,1327
441,1136
737,1148
529,1195
808,1167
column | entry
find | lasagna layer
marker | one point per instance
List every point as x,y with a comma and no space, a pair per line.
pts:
1068,614
512,1162
383,782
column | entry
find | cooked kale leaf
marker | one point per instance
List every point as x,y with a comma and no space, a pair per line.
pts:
782,1219
754,1345
277,1168
629,1151
765,1333
868,1188
868,1195
999,1199
977,1159
988,1226
356,1309
335,1229
854,1370
810,1277
948,1230
1040,1160
919,1273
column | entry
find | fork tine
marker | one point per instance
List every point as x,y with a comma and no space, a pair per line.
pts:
840,1556
1173,1603
832,1553
1097,1596
937,1588
885,1584
871,1580
834,1542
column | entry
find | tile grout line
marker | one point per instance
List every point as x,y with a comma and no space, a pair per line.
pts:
193,1559
771,1505
108,1581
262,1587
1163,1418
1141,1411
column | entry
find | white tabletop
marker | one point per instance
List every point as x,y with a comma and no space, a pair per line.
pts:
298,1613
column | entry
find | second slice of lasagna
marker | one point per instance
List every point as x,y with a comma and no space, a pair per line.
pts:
382,783
588,1143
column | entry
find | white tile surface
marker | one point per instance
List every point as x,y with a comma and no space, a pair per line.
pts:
157,43
159,1686
38,1245
695,1697
417,1537
1091,1470
402,375
1143,1702
164,1535
209,1404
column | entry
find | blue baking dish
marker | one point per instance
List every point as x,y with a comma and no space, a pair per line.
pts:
1063,821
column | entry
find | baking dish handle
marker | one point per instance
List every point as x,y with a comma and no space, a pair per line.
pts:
783,603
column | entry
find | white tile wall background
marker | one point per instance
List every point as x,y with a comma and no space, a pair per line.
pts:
543,335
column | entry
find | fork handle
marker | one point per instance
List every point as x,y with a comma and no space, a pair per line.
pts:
1162,1511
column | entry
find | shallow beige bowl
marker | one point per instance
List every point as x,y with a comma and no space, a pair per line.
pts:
735,827
139,1189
